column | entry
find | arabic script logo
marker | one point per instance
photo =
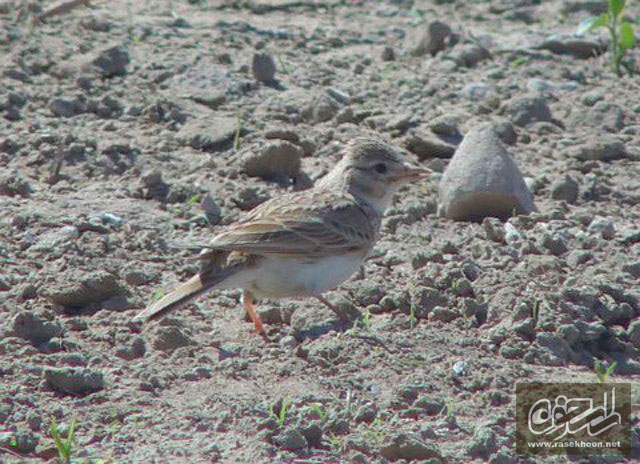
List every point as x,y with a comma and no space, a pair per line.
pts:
571,415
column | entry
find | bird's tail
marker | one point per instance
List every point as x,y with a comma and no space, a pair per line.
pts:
199,283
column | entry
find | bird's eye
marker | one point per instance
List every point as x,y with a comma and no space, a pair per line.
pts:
380,168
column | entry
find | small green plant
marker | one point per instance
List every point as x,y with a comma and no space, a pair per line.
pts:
281,415
621,32
535,310
319,411
604,373
236,136
65,447
157,295
375,434
413,320
195,199
337,443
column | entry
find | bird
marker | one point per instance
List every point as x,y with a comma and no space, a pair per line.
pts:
303,243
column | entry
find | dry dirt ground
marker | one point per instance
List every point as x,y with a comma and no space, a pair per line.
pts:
133,129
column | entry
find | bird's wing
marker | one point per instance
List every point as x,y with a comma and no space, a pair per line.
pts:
302,224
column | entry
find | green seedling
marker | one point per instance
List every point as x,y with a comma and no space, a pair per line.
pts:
64,446
157,295
337,443
196,199
604,373
621,32
319,411
375,434
281,415
236,136
413,320
535,311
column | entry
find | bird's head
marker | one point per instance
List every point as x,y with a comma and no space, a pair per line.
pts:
373,171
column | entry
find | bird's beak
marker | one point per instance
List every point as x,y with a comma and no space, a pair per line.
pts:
411,172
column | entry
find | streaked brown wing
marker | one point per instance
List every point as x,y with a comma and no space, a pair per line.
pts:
302,223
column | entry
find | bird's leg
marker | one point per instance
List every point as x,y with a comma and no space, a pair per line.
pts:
247,299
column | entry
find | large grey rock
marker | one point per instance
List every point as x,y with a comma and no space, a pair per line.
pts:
79,289
526,109
278,161
74,380
210,135
433,39
35,328
483,180
264,67
112,61
410,447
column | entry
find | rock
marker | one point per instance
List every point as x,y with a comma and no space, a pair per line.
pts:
577,257
556,345
61,238
313,434
282,133
13,184
152,185
528,109
339,95
462,288
311,322
169,338
291,438
210,135
633,332
388,54
346,115
469,55
36,329
603,226
322,108
112,61
22,441
443,314
433,39
602,148
212,211
511,234
288,342
424,300
602,115
366,413
483,443
565,189
278,161
574,46
74,380
67,107
482,180
135,349
553,243
592,97
425,145
632,268
76,288
494,229
137,277
410,447
263,67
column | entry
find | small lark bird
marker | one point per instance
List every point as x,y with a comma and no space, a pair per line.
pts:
301,243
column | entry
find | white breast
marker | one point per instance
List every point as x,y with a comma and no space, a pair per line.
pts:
279,277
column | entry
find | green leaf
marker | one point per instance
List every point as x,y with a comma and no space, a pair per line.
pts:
616,7
592,23
627,36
